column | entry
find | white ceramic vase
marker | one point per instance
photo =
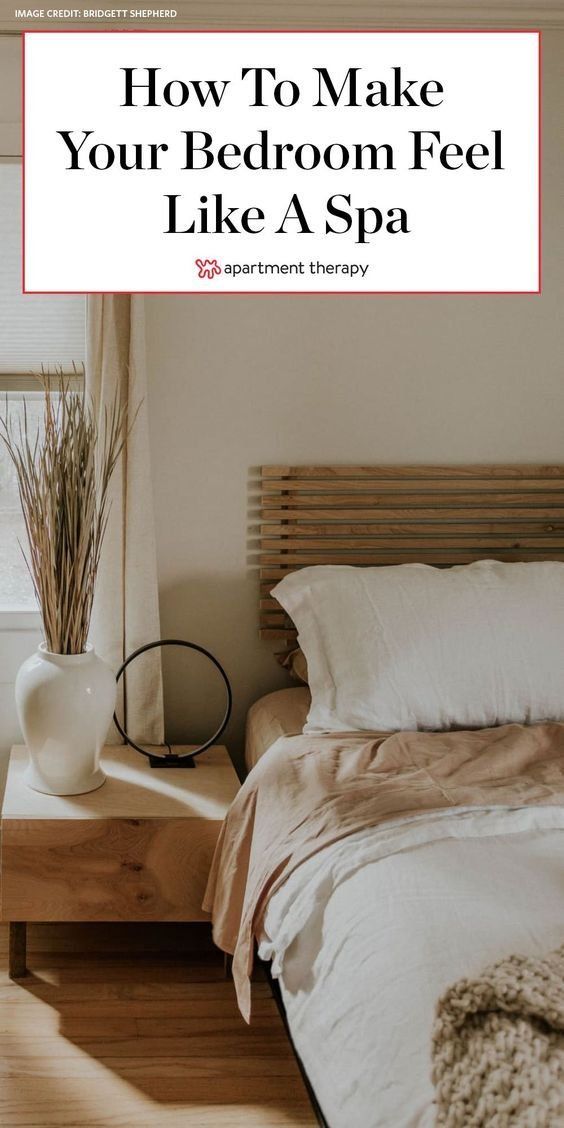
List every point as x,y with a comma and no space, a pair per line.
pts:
65,704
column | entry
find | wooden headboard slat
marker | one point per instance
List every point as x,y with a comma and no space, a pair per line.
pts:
416,500
499,486
423,528
419,473
307,545
444,556
376,515
548,513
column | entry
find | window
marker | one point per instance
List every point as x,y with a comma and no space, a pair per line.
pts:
34,331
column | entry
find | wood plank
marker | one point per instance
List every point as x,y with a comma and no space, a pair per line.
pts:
171,993
82,1097
336,527
412,486
409,554
321,510
271,635
277,619
293,542
276,571
216,1039
266,585
85,1054
525,470
415,499
125,1014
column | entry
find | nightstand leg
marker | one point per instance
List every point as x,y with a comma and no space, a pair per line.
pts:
17,958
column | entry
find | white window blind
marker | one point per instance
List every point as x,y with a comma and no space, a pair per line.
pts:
34,330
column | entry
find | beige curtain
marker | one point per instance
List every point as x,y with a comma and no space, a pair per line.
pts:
126,609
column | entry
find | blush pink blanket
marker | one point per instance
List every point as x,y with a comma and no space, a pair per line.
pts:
310,791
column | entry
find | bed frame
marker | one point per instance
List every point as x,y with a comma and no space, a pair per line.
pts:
375,515
440,515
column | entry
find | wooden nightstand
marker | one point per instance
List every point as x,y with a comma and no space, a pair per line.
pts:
138,849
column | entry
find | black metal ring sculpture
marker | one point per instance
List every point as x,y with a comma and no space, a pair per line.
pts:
171,759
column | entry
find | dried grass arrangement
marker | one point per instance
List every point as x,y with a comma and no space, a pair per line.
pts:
63,474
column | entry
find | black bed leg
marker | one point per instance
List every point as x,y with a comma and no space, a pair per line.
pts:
17,962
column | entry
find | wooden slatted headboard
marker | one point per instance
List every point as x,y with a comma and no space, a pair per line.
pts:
439,515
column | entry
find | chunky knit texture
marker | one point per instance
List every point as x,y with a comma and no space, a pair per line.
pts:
498,1047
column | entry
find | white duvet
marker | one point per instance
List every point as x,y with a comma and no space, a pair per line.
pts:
367,934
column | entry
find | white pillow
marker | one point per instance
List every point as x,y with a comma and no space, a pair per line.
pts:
416,647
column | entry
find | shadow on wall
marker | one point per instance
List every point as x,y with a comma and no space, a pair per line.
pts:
220,613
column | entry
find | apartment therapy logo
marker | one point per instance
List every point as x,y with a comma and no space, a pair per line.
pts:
302,151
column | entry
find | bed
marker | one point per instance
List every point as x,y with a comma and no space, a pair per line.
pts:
279,714
367,926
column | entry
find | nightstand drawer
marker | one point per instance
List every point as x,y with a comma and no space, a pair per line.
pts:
111,869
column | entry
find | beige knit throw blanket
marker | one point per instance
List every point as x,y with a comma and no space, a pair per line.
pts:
498,1047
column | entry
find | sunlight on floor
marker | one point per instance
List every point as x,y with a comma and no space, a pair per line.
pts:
112,1042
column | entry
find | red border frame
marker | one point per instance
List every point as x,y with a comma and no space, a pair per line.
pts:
300,31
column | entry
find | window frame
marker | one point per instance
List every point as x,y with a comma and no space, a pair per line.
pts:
28,381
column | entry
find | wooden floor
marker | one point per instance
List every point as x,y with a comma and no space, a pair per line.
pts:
133,1038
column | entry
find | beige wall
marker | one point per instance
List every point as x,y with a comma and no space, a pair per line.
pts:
241,381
